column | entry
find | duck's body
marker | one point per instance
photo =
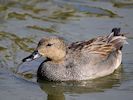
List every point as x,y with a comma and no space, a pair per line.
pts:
79,69
82,60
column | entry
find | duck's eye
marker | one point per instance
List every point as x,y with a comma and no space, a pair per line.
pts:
49,45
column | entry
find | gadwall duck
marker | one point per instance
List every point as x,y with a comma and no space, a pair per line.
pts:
81,60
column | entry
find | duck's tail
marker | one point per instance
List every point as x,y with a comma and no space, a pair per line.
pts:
117,39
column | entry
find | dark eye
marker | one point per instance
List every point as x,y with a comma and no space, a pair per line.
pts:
49,45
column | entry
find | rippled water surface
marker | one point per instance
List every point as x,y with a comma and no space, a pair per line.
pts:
24,22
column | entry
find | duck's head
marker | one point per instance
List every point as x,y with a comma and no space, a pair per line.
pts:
53,48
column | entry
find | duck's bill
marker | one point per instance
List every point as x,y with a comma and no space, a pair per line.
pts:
31,57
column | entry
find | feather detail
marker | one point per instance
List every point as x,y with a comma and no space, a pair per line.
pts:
117,39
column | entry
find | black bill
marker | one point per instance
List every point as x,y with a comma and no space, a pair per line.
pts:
33,56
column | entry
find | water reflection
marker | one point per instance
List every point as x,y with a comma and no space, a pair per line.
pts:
123,5
57,90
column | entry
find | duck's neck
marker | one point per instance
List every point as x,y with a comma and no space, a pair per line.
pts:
58,61
58,56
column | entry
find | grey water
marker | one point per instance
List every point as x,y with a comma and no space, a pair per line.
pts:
24,22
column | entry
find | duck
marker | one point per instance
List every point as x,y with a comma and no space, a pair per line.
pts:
81,60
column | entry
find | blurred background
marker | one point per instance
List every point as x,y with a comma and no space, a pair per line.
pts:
24,22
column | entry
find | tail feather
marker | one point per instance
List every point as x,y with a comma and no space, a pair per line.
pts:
117,39
116,31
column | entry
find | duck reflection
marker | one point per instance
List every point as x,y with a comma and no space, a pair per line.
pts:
56,90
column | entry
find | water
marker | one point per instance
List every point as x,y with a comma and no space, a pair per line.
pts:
24,22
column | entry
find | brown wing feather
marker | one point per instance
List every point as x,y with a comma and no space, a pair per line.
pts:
94,46
80,44
103,49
